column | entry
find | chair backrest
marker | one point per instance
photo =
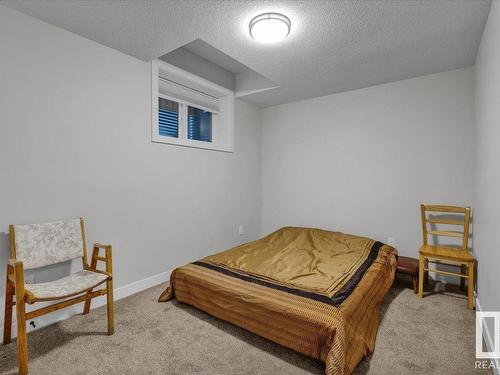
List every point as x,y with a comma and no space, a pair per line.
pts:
449,215
39,245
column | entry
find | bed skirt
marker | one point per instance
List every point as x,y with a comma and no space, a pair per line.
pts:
340,335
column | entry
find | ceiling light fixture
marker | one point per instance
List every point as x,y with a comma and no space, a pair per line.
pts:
270,27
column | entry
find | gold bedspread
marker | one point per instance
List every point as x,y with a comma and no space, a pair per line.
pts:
314,291
309,259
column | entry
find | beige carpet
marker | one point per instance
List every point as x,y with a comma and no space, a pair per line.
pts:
435,336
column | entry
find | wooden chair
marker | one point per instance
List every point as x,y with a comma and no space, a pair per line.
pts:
458,256
38,245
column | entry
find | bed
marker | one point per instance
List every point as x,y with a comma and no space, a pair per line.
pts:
314,291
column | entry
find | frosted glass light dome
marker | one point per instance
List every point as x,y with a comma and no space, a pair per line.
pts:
270,27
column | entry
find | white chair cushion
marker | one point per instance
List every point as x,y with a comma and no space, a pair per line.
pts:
70,285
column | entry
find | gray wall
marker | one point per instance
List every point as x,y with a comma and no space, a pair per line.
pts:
487,170
75,140
361,162
195,64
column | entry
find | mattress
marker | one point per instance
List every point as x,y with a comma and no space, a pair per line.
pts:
314,291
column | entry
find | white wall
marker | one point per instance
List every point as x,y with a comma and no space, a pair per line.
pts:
487,167
75,141
362,161
199,66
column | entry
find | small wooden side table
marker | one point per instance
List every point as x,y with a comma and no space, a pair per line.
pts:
409,266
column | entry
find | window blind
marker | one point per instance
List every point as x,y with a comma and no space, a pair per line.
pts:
199,124
168,118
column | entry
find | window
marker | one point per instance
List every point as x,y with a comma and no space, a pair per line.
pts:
168,118
176,118
190,111
199,124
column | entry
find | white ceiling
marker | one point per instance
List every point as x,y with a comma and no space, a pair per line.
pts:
333,46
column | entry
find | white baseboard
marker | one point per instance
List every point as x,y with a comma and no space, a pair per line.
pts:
488,339
118,293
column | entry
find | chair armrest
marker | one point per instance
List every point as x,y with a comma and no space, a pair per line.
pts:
15,263
101,272
15,267
107,259
101,246
15,274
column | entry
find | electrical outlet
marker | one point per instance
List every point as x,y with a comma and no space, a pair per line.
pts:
241,230
391,241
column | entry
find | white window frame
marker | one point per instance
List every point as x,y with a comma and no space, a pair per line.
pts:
222,119
182,129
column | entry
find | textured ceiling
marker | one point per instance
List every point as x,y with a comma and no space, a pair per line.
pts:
333,46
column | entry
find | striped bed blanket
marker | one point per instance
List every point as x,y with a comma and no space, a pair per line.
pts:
314,291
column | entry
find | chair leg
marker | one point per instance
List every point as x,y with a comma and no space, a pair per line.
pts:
86,306
111,317
414,281
421,277
426,273
7,321
22,344
93,265
470,285
463,270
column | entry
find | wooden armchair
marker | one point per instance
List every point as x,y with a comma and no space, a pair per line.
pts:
38,245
